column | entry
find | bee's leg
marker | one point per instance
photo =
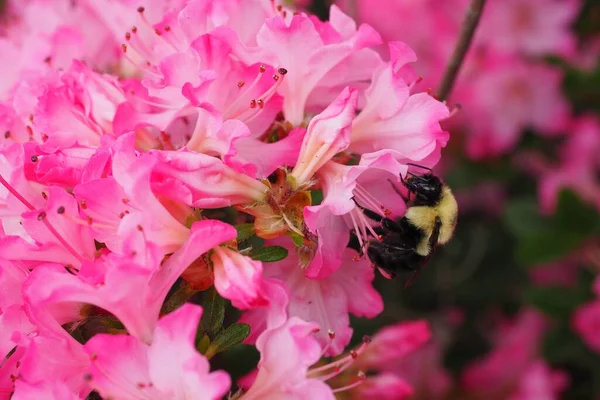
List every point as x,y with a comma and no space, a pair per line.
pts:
354,244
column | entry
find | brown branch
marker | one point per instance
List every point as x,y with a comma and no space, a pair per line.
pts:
462,46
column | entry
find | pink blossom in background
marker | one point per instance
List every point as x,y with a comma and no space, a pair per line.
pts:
514,366
577,168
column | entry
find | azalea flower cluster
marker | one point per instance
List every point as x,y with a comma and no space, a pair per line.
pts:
136,138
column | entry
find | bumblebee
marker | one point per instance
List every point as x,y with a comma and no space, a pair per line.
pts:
405,244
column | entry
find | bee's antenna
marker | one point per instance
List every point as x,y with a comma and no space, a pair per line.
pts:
419,166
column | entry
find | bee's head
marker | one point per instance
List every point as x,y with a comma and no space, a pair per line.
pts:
426,188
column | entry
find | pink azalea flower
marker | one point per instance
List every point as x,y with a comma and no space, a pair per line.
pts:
384,386
578,166
328,134
326,302
43,390
536,27
287,352
540,382
515,349
423,369
312,51
51,362
125,367
586,322
51,292
238,278
393,119
506,96
393,343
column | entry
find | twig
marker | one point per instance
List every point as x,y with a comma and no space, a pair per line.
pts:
462,46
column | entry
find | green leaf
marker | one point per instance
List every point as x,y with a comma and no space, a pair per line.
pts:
297,239
542,239
214,312
244,231
202,342
556,301
269,253
234,334
179,297
521,217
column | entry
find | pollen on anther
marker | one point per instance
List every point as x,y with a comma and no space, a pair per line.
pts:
83,204
275,77
41,216
6,134
122,215
282,71
353,354
44,196
361,375
380,238
158,32
252,103
127,36
241,84
356,258
125,200
260,103
93,356
90,221
140,9
167,28
124,48
87,377
140,228
34,158
134,29
60,210
331,334
262,69
366,339
387,212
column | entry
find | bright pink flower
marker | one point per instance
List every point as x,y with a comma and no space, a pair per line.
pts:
541,383
287,352
51,233
270,314
578,167
238,278
125,367
258,159
328,134
586,322
43,390
327,302
535,27
310,53
423,369
394,342
48,358
52,294
385,386
393,119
